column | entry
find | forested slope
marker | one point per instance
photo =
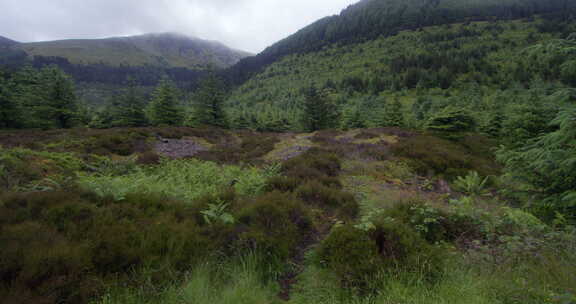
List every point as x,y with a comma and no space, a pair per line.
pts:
481,66
370,19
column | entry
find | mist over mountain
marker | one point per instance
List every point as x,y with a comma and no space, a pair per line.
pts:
159,49
98,65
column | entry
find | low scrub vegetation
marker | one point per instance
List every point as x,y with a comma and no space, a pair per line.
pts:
335,223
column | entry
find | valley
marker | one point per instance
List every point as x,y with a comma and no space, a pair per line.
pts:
413,152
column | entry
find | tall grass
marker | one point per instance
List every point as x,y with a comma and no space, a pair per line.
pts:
549,280
184,179
234,282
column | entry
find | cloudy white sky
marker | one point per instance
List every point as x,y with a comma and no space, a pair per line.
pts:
249,25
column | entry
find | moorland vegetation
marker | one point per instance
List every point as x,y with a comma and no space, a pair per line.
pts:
432,159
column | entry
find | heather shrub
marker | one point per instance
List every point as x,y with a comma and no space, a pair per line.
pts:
113,143
366,135
283,184
379,151
314,159
62,246
404,249
148,158
303,173
274,224
330,182
335,200
20,167
251,149
351,254
430,155
357,256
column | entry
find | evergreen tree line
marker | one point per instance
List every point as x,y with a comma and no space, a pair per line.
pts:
101,73
46,99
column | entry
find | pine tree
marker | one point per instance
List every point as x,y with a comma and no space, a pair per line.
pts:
548,164
392,114
163,108
27,93
494,125
451,119
208,102
102,119
352,118
319,112
130,112
10,112
59,95
46,96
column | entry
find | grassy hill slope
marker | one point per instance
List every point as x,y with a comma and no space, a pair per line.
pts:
166,50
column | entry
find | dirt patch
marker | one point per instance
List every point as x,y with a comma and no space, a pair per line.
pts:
179,148
290,146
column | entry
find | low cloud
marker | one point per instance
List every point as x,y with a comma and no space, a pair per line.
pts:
249,25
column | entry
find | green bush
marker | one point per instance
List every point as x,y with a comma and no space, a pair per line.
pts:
283,184
403,249
314,159
351,254
471,184
434,224
275,224
423,218
357,256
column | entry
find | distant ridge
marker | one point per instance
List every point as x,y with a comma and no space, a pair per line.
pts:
168,50
5,42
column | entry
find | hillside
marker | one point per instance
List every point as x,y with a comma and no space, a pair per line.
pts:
437,65
101,66
370,19
404,151
163,50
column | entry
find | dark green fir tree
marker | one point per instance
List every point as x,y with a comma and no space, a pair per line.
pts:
130,109
319,112
163,108
208,102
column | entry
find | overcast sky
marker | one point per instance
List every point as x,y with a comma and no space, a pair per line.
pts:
249,25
